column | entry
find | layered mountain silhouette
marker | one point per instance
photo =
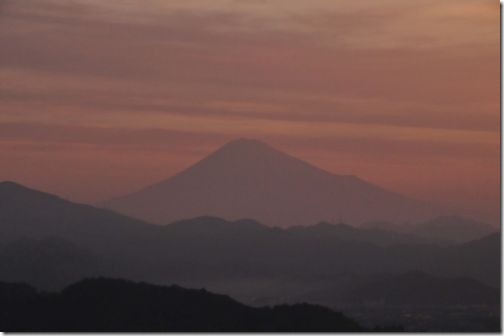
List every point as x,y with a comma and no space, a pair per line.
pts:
35,227
250,179
50,242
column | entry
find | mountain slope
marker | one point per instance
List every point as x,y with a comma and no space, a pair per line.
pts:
29,212
112,305
250,179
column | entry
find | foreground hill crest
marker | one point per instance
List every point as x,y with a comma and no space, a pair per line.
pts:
248,178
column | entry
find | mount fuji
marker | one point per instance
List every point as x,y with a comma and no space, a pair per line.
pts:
250,179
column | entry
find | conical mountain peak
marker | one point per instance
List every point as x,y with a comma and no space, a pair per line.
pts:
247,178
246,158
246,143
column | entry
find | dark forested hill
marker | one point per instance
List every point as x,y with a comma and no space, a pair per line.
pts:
107,305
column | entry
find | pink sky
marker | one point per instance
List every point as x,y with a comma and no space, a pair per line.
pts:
99,98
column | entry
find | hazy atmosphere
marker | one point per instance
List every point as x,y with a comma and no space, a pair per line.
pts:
100,98
250,166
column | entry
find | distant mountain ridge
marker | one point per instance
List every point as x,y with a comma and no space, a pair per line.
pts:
250,179
34,213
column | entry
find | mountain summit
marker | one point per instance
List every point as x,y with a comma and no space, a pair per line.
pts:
250,179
